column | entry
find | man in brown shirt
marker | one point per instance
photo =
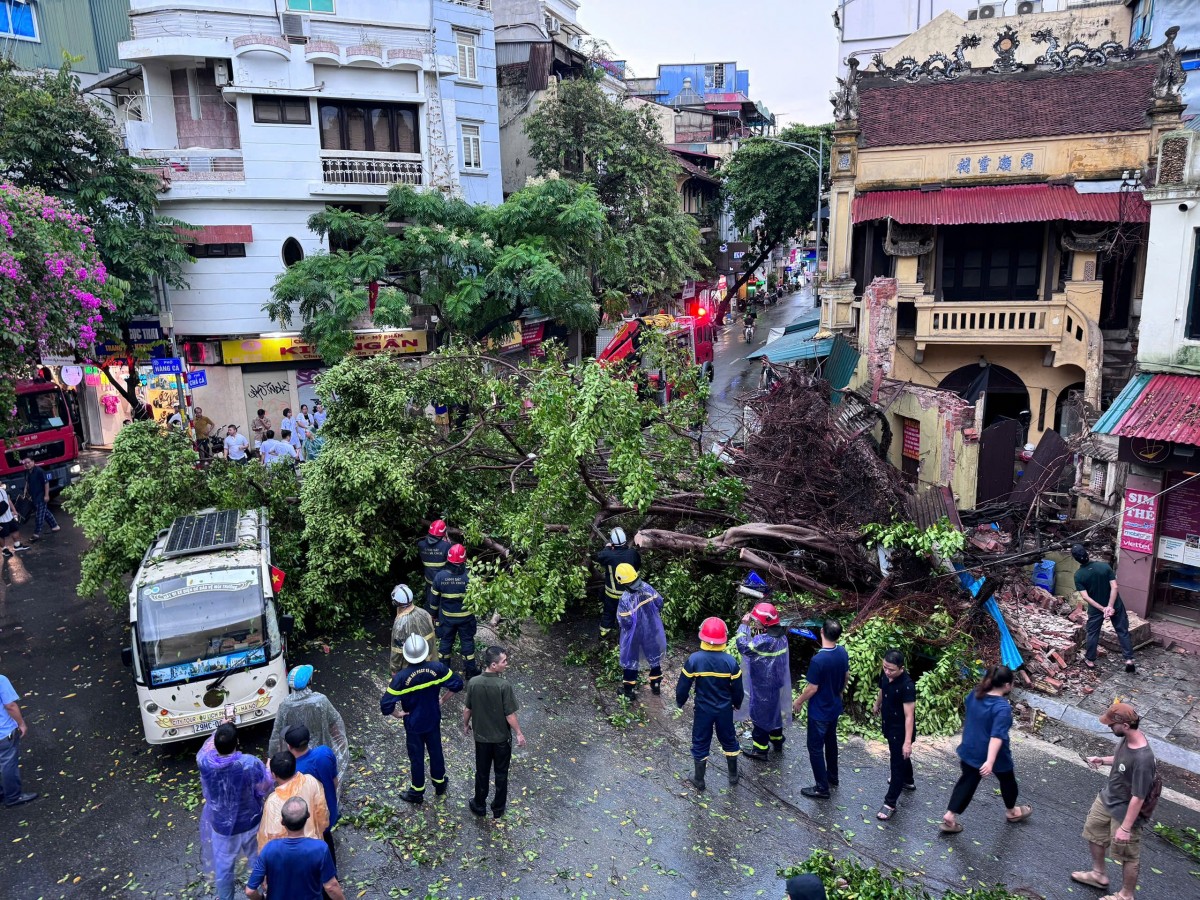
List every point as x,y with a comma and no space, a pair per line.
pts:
259,428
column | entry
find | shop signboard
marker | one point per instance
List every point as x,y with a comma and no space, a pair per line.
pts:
1138,520
1179,524
296,349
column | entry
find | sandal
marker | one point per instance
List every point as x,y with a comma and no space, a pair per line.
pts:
1090,878
885,812
946,828
1023,813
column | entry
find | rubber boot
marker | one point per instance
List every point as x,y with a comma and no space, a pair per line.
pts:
698,775
440,789
414,797
754,753
629,692
733,773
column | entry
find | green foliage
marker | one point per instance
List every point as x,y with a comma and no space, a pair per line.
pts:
941,538
848,879
66,144
481,267
650,244
1185,837
692,596
150,479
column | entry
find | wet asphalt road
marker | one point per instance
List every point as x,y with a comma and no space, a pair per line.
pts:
595,810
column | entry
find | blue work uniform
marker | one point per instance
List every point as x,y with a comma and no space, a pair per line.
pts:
718,681
448,605
609,558
417,688
768,670
432,551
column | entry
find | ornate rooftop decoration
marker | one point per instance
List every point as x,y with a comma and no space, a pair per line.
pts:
938,67
1077,54
1006,45
1168,83
845,98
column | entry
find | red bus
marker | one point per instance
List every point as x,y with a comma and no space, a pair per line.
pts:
42,429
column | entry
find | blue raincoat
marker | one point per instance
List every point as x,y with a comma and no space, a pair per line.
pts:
768,678
234,788
639,615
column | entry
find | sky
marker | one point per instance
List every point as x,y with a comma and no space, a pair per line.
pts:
789,47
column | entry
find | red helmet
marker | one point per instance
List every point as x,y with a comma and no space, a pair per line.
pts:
766,614
456,554
713,631
437,527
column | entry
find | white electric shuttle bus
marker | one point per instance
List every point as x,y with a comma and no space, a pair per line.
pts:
207,642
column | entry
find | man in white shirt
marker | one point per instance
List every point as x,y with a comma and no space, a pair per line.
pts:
236,445
273,451
176,418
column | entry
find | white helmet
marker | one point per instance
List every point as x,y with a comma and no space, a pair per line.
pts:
617,538
402,595
416,649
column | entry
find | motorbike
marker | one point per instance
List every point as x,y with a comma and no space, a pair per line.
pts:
748,332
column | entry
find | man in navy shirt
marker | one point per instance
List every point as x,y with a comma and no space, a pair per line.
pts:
827,676
295,867
321,764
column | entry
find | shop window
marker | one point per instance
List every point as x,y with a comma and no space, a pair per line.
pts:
472,149
468,69
991,262
282,111
325,6
1194,313
292,252
369,127
17,20
216,251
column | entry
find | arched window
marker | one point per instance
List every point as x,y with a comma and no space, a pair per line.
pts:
292,252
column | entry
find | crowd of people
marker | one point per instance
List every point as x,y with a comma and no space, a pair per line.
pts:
298,440
32,504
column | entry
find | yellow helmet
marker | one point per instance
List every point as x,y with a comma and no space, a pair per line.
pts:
626,574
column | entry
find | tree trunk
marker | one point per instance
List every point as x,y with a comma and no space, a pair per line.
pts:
128,392
731,292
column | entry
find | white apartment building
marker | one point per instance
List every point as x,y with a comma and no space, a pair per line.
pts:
264,112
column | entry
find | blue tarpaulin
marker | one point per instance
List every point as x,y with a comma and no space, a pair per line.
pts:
1009,654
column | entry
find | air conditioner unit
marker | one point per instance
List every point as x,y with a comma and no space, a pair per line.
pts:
553,25
986,11
221,72
1029,7
296,28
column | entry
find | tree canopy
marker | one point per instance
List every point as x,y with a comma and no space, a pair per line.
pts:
651,245
772,191
480,267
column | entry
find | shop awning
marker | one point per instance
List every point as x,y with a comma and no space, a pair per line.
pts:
1000,204
1157,407
218,234
799,345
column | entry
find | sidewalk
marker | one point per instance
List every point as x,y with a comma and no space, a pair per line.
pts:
1165,690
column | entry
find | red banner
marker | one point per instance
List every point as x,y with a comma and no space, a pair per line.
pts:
277,578
1138,520
912,439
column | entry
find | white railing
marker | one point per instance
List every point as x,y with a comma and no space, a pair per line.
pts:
197,165
485,5
372,168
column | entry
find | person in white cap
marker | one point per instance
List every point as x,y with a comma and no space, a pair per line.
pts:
410,620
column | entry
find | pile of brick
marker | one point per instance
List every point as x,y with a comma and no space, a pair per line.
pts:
1047,631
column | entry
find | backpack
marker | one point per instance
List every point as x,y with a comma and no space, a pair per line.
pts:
1152,795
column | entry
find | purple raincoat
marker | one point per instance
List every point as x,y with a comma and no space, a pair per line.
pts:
767,678
639,614
234,788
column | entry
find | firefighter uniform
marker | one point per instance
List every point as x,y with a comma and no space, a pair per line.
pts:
718,682
768,673
432,551
610,558
448,605
417,688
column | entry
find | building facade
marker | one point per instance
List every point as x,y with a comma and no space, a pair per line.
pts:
260,117
1006,249
36,35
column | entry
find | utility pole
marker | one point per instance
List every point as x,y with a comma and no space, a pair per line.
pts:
819,159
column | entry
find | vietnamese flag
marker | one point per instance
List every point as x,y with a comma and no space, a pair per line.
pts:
277,578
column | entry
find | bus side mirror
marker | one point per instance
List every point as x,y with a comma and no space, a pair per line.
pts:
127,657
287,624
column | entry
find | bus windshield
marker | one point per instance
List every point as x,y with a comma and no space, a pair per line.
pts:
200,624
39,411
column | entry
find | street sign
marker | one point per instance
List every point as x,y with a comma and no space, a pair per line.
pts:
171,366
196,379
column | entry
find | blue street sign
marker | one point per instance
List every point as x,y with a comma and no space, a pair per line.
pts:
197,379
170,366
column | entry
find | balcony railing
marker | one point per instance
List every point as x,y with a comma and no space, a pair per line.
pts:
1055,323
372,168
197,165
485,5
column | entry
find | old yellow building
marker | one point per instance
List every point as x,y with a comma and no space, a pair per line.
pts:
986,241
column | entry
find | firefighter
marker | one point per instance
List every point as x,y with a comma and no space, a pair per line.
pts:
615,552
417,690
447,604
639,613
410,620
432,549
719,692
767,678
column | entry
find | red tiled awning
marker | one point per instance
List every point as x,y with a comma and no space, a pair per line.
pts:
1166,409
1000,204
723,107
218,234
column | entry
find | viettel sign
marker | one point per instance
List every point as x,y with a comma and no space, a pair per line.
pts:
296,349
